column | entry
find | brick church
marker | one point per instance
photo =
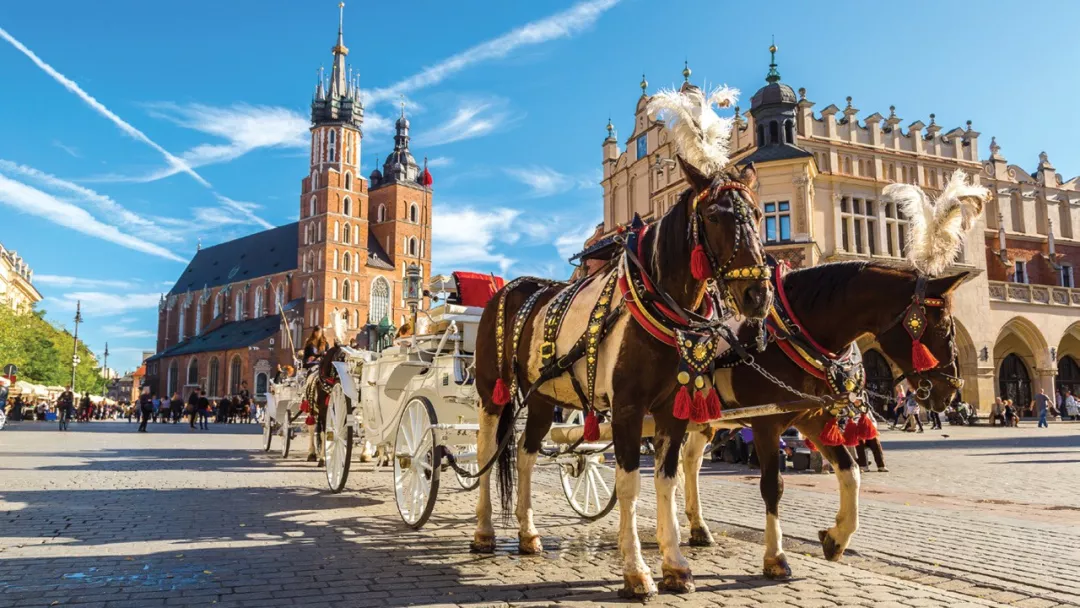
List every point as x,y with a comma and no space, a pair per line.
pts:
240,306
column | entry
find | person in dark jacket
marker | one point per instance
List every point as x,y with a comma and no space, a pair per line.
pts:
146,408
192,408
203,409
176,407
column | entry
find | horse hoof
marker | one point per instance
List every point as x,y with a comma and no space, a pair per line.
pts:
701,537
638,586
776,568
364,458
311,458
482,543
322,463
833,552
530,545
677,581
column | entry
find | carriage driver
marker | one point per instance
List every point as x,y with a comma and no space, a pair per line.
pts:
314,347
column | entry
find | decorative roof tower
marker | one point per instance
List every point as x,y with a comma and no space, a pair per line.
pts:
400,166
773,108
338,101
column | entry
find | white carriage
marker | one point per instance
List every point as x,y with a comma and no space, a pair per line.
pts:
415,402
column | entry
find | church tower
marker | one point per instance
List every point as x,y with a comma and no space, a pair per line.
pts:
333,203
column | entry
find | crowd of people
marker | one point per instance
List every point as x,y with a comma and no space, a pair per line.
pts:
239,408
80,408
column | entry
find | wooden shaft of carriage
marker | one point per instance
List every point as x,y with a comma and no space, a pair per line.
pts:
572,434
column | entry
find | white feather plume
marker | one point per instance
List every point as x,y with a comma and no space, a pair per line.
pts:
701,136
937,229
341,328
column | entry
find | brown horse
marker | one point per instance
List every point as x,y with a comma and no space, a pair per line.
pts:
635,373
836,304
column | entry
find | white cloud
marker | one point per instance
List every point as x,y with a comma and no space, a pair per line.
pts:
53,280
32,201
467,235
174,162
473,118
542,181
244,127
245,210
122,331
572,21
440,161
100,304
114,210
72,150
569,243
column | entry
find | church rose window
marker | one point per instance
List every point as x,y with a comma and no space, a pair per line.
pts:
380,300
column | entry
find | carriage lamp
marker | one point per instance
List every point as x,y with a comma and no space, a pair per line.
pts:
413,290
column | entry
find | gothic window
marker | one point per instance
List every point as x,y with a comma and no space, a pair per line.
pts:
234,376
198,318
346,205
414,246
774,132
346,290
380,216
414,213
314,181
212,378
347,233
1013,380
258,302
311,207
318,231
174,378
310,290
337,232
858,225
348,156
346,262
181,323
279,297
379,305
219,301
333,289
331,153
238,306
260,384
777,222
193,372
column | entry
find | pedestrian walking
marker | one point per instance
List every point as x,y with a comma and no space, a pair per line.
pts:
192,407
897,408
1072,406
935,419
176,406
1042,405
204,411
911,412
146,408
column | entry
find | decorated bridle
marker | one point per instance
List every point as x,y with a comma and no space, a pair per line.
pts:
922,360
703,261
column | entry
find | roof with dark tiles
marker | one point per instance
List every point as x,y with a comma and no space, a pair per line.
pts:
246,258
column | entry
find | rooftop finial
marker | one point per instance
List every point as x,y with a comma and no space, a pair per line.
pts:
644,83
341,17
932,119
403,106
686,71
773,75
610,129
892,111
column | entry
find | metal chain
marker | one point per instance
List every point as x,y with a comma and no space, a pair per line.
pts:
778,382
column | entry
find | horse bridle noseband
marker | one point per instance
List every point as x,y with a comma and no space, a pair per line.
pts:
744,229
916,310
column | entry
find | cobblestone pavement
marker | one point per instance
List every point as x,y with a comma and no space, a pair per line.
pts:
102,516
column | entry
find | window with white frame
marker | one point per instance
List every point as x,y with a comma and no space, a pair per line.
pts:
777,221
858,225
347,234
380,216
895,230
310,290
346,262
314,181
1067,276
346,290
181,324
311,207
238,306
258,310
414,213
1020,274
279,298
219,301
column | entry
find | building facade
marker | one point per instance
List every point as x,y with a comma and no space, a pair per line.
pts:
821,176
242,307
17,289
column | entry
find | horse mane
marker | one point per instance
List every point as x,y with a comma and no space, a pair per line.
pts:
938,228
823,285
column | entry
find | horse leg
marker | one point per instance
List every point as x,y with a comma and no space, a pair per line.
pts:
536,427
320,425
675,569
693,452
835,539
637,578
311,443
484,537
767,444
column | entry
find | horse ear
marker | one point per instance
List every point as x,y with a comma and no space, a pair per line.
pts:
698,181
748,175
945,285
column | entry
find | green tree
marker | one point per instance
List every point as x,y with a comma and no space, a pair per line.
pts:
42,351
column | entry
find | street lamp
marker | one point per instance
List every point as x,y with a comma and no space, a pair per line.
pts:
75,346
413,291
105,372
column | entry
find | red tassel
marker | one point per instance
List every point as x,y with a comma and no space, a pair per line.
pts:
592,427
831,434
305,407
700,410
716,409
501,395
682,404
867,427
810,444
852,433
921,357
310,420
699,263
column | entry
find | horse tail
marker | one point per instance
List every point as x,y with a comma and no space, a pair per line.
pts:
504,439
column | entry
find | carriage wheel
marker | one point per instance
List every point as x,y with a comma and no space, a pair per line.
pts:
468,483
268,431
589,486
286,434
338,440
416,463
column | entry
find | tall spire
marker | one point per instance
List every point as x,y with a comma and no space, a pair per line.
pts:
773,75
337,74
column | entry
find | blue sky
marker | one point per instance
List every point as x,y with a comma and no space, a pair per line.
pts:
144,127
